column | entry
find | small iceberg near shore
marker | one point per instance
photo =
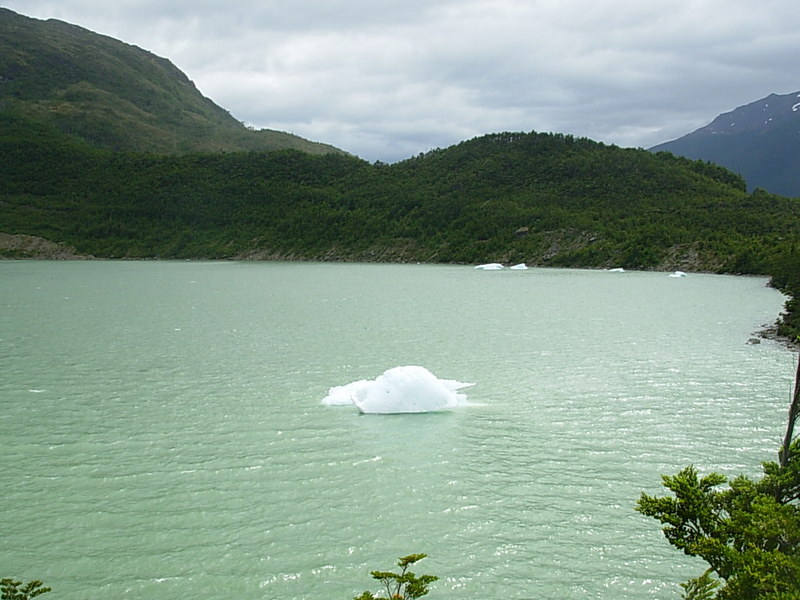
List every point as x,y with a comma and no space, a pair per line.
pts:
500,267
408,389
678,274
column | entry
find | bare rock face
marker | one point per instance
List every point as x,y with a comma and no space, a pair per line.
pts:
22,246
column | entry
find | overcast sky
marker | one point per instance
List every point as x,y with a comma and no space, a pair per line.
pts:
388,80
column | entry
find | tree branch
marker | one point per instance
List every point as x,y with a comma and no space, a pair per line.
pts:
794,410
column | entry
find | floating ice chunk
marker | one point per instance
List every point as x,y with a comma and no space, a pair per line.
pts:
678,274
342,395
520,267
490,267
409,389
617,270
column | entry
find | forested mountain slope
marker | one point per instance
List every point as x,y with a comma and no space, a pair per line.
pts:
116,96
541,198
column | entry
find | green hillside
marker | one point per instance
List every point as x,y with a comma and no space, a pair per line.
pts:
116,96
543,199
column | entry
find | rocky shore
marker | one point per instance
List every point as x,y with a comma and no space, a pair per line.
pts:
20,246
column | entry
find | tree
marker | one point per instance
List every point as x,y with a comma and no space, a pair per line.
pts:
794,412
15,590
404,585
748,532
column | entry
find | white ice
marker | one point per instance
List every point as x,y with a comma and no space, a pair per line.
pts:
617,270
409,389
490,267
678,274
520,267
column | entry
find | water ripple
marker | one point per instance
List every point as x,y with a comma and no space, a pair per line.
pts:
162,433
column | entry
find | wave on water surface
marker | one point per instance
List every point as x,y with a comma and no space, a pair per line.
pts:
408,389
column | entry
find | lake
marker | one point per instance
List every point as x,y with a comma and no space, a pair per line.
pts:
163,433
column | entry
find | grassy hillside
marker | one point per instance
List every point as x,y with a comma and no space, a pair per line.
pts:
116,96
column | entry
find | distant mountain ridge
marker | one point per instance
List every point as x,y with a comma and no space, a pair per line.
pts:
760,141
116,96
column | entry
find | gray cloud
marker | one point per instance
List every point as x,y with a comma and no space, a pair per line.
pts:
388,80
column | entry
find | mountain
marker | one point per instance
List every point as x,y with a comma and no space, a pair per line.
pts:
116,96
544,199
760,141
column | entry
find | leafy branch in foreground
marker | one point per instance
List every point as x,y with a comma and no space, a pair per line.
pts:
748,532
404,585
700,588
15,590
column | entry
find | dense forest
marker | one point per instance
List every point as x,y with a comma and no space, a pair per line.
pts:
543,199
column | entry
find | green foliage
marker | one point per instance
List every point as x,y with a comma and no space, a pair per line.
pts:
748,532
16,590
700,588
750,538
615,208
404,585
785,271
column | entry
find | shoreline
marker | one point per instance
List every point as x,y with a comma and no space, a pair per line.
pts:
24,247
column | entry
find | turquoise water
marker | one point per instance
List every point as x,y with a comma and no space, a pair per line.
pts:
163,436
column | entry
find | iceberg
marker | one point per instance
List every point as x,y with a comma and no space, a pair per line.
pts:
408,389
678,274
519,267
490,267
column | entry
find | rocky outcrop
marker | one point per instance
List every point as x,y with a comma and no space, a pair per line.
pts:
20,246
